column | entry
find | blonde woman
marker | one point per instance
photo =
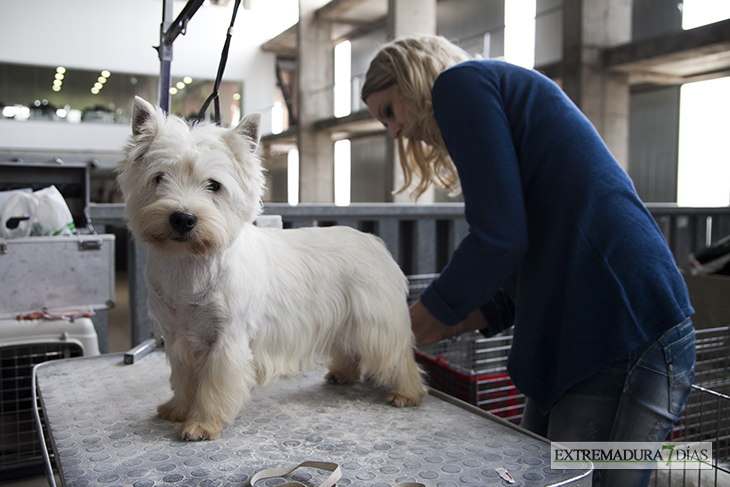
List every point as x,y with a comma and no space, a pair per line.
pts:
559,246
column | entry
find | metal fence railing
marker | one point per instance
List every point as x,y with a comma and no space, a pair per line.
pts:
421,238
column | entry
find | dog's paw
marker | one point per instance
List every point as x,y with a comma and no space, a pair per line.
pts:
191,431
340,378
399,400
173,413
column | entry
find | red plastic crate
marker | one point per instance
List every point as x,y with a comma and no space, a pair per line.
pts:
493,392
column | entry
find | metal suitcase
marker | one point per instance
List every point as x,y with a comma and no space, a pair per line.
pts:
56,273
51,275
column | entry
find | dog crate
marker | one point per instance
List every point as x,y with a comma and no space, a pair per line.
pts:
705,418
21,451
471,368
51,285
474,368
25,343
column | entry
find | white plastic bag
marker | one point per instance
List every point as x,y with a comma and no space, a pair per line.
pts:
52,216
42,213
16,209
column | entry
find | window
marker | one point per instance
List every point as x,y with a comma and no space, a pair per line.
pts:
519,32
703,177
696,13
704,159
343,88
343,170
67,95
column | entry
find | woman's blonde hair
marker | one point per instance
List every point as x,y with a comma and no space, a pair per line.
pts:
412,64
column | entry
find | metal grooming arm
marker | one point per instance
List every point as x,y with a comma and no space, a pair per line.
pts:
169,31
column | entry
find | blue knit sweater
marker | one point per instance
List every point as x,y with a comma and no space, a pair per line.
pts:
559,243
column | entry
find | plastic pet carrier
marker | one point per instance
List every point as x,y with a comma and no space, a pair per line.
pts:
51,286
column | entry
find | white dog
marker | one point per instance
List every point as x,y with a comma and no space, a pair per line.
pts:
240,305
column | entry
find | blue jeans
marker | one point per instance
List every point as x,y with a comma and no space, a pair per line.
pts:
637,398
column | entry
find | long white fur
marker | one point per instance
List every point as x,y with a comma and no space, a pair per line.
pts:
239,305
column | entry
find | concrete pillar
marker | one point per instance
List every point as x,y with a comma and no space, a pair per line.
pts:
588,27
315,71
408,17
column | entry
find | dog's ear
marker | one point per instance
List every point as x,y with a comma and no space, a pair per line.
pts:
142,112
249,127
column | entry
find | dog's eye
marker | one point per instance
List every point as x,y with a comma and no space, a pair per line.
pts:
214,185
158,178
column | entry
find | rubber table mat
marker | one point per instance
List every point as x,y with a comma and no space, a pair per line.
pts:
101,415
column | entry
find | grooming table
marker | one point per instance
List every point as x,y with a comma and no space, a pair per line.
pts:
101,415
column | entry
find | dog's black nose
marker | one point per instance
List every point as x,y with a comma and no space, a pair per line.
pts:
182,221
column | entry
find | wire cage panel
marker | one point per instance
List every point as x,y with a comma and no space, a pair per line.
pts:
713,356
705,418
474,369
471,368
20,448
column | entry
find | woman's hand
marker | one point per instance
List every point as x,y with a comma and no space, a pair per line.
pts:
428,330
